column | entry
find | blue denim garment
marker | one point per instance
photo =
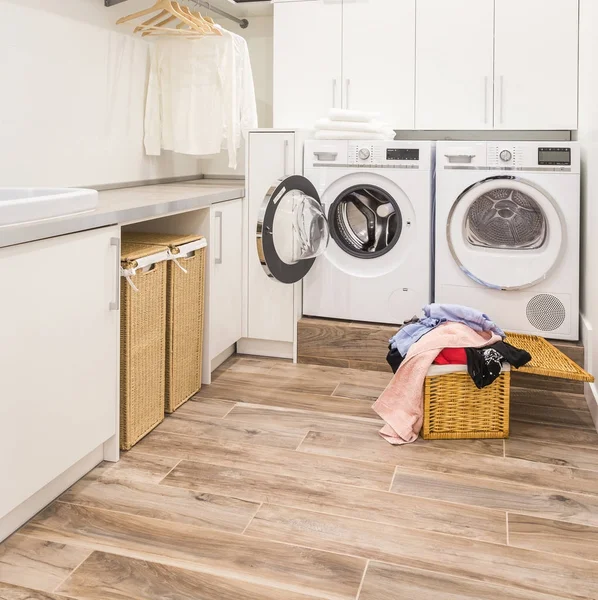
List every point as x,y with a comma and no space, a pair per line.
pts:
462,314
436,314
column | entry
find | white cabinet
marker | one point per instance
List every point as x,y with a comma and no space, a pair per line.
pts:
455,64
226,276
536,63
357,54
59,357
378,65
497,64
307,61
270,311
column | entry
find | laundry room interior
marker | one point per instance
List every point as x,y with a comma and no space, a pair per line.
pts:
299,300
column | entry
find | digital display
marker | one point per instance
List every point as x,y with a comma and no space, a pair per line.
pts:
554,156
402,154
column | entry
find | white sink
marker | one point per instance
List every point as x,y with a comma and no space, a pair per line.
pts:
24,205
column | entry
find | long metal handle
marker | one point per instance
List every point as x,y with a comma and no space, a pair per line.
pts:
486,100
334,93
218,260
285,158
501,95
115,305
347,103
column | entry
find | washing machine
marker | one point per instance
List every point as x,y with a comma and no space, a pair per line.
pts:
507,233
356,228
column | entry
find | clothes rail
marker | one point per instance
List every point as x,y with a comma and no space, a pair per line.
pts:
243,23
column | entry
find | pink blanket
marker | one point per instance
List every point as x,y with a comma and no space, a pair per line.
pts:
401,404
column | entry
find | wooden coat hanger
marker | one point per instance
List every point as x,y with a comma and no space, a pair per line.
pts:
163,7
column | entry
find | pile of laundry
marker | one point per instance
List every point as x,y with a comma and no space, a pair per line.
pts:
447,334
344,124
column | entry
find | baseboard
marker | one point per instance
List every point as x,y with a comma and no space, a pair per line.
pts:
590,389
218,360
269,348
28,509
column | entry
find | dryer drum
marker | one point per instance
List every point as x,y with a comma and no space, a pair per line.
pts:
365,221
506,219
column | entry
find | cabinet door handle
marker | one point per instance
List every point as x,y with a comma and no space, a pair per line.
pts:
501,97
218,259
285,158
115,305
486,100
333,93
347,102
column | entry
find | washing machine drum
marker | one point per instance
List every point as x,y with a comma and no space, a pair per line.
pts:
505,233
365,221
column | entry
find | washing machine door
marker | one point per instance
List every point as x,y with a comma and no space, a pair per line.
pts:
506,233
292,230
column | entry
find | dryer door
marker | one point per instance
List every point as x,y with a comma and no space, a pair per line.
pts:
506,233
292,230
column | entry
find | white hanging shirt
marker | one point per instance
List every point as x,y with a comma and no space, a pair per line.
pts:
200,96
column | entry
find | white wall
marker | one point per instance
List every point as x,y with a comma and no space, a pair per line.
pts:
588,137
259,41
72,96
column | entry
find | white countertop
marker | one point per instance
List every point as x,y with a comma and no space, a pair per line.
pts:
130,205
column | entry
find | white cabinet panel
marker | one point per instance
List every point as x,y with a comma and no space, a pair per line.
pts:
58,358
307,61
454,78
536,64
379,58
226,281
270,303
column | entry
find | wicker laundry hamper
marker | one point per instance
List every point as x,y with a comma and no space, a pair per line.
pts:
184,310
143,340
454,408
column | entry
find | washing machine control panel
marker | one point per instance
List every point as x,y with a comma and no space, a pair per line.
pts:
383,155
534,156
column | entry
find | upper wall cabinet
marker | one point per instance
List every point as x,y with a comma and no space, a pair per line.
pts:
357,54
496,64
536,64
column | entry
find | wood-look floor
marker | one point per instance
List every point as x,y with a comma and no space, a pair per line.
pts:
273,484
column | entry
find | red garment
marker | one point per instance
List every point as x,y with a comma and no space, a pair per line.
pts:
451,356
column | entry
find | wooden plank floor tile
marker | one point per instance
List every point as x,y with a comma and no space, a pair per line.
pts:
359,391
551,415
304,420
266,460
499,495
205,407
219,553
342,500
376,449
224,431
14,592
171,504
387,582
548,398
492,563
553,434
318,403
345,375
245,364
143,468
556,537
554,454
280,383
38,564
110,577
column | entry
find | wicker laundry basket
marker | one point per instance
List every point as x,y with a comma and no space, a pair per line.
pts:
454,408
185,313
143,340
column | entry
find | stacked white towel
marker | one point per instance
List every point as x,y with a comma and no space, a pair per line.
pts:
344,124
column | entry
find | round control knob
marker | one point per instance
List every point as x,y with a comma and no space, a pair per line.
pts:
364,153
506,155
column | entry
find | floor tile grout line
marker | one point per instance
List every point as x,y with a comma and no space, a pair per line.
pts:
169,472
229,411
336,388
504,449
253,517
91,551
507,523
302,440
394,474
365,570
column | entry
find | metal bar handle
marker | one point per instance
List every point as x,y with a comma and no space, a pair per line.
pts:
218,260
285,158
501,96
348,103
333,92
115,305
486,100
